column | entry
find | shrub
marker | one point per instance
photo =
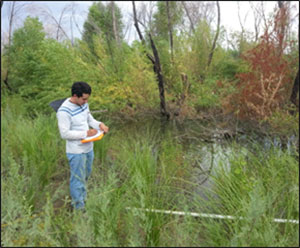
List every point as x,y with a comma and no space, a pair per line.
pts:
265,87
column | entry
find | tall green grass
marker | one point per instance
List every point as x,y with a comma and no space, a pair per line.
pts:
259,187
139,167
34,146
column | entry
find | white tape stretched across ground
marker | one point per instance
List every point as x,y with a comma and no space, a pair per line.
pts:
217,216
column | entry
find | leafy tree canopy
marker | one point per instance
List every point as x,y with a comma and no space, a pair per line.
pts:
100,21
161,18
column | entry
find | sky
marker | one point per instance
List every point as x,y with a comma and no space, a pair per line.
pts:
229,15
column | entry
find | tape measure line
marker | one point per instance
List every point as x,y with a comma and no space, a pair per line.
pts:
216,216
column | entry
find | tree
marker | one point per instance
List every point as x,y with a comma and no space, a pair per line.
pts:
257,18
295,91
170,28
197,11
242,40
114,21
105,20
56,24
14,11
73,10
156,65
166,19
264,88
189,16
216,37
25,53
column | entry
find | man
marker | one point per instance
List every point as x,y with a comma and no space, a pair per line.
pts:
74,119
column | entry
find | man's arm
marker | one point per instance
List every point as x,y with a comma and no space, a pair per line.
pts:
96,124
64,124
92,122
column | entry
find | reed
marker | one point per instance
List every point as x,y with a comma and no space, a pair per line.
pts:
141,168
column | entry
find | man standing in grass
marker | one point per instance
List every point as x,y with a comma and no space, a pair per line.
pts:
74,119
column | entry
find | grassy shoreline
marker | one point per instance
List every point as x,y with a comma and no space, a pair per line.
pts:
142,169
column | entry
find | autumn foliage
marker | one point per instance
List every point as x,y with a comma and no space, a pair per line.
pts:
265,86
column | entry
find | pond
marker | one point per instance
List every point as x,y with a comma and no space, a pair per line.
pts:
205,147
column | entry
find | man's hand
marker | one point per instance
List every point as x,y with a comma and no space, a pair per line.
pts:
91,132
103,127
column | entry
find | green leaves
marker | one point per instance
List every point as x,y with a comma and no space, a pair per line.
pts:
100,23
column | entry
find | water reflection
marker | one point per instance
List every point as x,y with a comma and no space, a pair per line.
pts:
205,149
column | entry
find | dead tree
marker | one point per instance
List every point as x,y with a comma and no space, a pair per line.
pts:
156,65
282,16
295,91
59,22
184,94
263,15
73,8
170,29
242,37
257,19
215,39
189,16
115,28
15,9
197,11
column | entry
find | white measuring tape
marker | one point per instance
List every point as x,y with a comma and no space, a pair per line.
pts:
217,216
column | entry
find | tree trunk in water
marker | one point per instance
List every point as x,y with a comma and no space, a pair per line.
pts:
157,70
156,66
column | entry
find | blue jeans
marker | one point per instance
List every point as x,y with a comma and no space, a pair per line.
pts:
81,168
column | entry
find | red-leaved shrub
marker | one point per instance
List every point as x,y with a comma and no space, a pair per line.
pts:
266,86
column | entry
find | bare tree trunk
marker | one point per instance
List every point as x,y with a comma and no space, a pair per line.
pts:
115,29
11,19
59,24
136,24
6,80
184,94
73,18
295,90
72,37
157,70
170,29
156,66
242,28
263,15
282,16
150,57
257,19
47,13
188,15
215,39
